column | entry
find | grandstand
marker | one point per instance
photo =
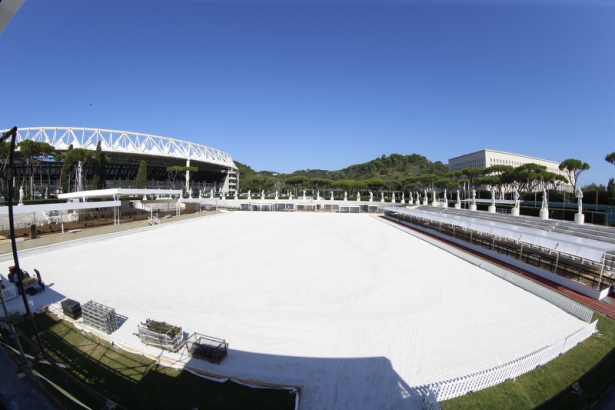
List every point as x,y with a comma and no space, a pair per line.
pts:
126,150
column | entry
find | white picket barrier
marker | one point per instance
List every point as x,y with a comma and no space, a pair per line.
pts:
10,294
459,386
431,405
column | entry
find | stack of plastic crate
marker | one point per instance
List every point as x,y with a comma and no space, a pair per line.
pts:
99,317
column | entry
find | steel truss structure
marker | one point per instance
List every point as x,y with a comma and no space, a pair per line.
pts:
125,142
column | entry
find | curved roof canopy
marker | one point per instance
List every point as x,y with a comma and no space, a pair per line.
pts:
124,142
8,8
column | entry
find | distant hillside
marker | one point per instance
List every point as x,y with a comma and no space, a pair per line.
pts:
393,167
388,168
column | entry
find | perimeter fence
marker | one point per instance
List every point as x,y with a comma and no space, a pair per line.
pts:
459,386
10,293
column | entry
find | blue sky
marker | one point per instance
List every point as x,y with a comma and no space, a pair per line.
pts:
288,85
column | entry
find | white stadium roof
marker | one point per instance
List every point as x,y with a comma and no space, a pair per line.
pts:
125,142
8,8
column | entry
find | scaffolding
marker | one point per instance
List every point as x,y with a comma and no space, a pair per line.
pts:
161,335
99,317
205,347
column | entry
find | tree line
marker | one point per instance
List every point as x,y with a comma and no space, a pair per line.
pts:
394,173
412,173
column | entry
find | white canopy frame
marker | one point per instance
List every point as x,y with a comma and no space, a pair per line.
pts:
116,193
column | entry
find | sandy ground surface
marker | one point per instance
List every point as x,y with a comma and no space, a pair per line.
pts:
354,311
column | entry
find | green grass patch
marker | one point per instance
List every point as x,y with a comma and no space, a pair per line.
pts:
536,387
136,382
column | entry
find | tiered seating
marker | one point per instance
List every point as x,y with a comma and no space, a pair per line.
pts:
592,232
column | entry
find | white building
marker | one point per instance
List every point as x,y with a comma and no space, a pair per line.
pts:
486,158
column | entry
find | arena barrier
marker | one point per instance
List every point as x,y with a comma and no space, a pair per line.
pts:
459,386
10,294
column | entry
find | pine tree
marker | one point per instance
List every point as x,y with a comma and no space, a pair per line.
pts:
141,180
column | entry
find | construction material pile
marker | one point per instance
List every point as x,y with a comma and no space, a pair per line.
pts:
100,317
161,335
207,348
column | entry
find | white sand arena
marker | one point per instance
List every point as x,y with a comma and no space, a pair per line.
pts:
350,308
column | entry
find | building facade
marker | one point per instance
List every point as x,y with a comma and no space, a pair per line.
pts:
486,158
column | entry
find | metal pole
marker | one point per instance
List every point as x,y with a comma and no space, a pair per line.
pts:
601,271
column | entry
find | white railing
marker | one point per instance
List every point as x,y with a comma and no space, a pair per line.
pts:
10,293
459,386
431,405
124,142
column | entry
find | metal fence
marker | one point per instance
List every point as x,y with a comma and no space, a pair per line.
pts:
459,386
